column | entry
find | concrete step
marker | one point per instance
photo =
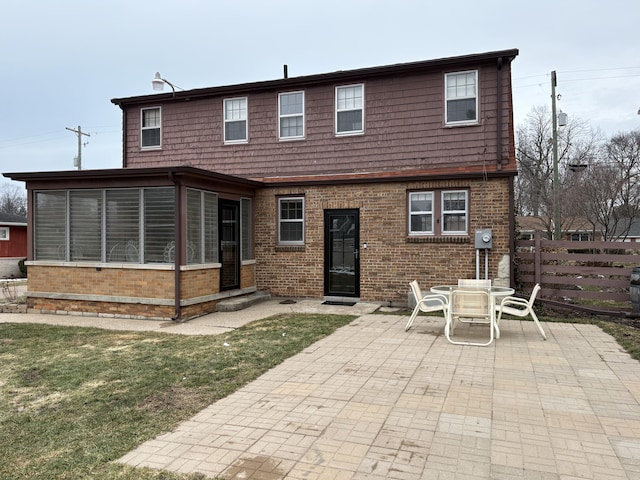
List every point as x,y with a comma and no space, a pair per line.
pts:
239,303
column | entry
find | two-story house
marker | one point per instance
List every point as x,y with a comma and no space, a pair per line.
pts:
343,185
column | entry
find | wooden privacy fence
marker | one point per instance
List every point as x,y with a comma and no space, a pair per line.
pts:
593,275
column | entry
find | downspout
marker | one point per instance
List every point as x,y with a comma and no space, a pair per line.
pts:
499,119
512,234
124,137
178,243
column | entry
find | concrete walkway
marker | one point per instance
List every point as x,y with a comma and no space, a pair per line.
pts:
372,401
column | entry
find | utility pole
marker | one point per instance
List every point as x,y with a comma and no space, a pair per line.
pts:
79,133
556,182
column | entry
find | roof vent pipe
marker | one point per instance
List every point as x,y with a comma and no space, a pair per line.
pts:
286,71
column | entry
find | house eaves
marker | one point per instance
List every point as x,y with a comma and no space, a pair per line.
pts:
380,177
11,220
399,69
99,177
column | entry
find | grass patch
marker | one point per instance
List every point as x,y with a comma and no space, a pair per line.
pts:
73,399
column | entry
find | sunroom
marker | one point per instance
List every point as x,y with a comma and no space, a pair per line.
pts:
161,243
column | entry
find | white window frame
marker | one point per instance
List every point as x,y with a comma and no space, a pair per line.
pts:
282,116
243,117
463,96
438,213
413,213
343,109
444,212
154,127
4,233
297,220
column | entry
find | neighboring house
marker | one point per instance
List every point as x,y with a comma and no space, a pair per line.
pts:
574,229
630,233
13,244
344,185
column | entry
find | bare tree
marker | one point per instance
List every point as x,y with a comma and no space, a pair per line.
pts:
577,143
610,190
13,199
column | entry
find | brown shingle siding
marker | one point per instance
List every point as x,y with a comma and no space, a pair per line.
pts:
404,129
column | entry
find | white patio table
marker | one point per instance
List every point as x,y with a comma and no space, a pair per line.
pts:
495,293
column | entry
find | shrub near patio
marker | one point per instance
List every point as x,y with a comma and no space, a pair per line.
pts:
73,400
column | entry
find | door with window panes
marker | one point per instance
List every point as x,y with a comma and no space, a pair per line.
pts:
342,254
229,229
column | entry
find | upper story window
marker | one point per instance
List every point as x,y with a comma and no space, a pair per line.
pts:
350,109
4,233
291,114
291,221
445,213
150,127
235,120
461,97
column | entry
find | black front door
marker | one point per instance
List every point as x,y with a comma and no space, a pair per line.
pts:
341,253
229,229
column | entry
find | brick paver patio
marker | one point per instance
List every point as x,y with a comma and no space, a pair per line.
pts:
372,401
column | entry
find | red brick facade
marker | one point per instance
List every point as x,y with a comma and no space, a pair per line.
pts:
392,258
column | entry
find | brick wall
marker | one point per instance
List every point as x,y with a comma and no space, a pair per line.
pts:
391,259
129,292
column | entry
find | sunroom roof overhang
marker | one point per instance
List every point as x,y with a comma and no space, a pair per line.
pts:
125,177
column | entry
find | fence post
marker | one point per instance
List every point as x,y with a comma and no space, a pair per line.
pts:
537,256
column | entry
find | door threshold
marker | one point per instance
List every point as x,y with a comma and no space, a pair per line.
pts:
346,301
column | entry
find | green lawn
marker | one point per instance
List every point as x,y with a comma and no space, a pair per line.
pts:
72,400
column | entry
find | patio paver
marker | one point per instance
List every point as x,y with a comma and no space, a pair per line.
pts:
373,401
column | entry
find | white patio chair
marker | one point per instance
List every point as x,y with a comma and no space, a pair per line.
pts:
473,304
432,302
474,283
520,307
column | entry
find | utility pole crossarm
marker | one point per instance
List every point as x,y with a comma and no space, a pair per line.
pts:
79,133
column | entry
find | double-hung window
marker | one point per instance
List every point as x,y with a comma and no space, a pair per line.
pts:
150,128
421,213
454,212
235,120
291,221
461,98
291,114
349,109
438,213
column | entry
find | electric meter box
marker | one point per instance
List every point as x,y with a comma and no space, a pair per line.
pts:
484,239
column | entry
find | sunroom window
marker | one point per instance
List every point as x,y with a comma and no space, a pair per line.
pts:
105,225
202,226
246,228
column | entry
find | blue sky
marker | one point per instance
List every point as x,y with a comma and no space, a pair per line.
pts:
62,62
